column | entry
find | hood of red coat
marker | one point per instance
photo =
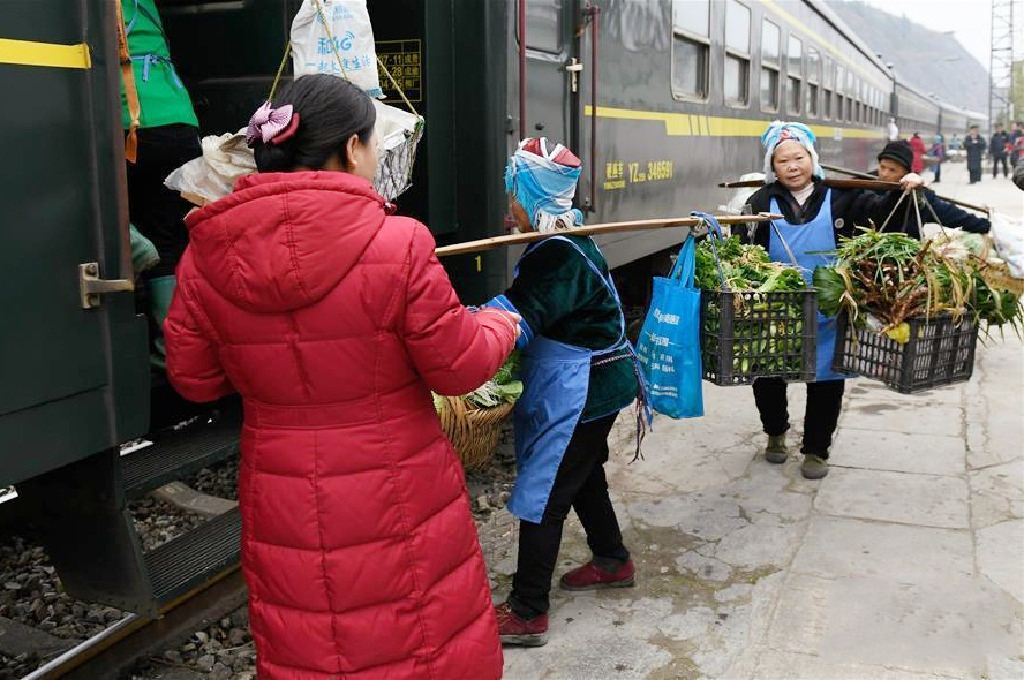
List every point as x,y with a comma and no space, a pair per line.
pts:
282,241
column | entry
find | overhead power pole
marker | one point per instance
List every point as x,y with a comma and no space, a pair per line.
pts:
1000,98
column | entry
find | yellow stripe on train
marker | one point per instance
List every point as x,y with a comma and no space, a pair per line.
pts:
51,55
694,125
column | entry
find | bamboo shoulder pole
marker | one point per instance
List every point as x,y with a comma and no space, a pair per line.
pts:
594,230
865,175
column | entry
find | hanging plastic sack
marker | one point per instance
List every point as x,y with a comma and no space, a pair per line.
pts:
335,37
212,176
1008,236
398,134
669,347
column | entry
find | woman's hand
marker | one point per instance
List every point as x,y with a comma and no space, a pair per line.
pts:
911,181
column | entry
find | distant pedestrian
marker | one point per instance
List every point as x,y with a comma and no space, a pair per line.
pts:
937,152
974,145
894,132
998,149
1016,142
918,148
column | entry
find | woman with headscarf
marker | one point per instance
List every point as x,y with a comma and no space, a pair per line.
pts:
579,371
814,217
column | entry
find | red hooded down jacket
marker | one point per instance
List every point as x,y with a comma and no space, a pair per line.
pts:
334,321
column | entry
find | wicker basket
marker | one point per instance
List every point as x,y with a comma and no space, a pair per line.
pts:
474,432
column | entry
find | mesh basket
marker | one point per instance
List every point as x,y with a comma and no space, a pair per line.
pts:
940,352
748,335
474,432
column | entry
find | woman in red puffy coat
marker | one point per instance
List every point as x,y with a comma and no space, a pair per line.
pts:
334,321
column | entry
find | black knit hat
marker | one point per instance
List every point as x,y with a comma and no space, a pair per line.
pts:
900,152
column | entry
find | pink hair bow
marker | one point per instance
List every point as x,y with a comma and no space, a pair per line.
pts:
272,125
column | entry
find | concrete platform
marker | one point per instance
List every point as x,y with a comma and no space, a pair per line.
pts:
905,563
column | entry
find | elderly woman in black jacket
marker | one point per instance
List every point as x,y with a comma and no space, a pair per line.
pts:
814,216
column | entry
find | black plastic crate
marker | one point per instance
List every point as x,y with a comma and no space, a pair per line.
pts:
940,352
736,339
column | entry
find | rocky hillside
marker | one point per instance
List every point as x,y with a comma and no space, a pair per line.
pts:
925,59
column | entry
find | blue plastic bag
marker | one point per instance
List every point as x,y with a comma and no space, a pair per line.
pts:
669,347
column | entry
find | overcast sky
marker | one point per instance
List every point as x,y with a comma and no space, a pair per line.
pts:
971,20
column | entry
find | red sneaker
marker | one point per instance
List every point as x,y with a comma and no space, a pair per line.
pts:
592,577
514,630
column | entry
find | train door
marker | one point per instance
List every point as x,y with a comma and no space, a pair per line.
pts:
66,341
553,70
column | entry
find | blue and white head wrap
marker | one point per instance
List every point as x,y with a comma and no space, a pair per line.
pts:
781,131
542,185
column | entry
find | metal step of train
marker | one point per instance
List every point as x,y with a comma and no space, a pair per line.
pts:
176,454
178,567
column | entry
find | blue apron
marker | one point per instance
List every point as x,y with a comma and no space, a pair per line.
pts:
556,379
803,239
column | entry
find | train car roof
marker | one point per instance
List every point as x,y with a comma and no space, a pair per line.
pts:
833,19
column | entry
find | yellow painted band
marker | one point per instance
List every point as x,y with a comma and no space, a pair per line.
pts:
691,125
29,53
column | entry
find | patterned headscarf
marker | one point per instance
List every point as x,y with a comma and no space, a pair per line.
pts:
779,132
542,177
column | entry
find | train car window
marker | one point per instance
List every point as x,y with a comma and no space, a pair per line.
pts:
813,80
737,54
544,25
691,48
795,68
771,63
828,81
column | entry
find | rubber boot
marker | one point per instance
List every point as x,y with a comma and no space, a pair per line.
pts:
776,451
161,291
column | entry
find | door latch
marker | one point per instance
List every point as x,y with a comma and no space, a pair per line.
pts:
91,286
574,67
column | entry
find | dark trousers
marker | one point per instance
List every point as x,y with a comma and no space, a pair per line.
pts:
974,170
996,160
937,169
156,211
580,484
824,402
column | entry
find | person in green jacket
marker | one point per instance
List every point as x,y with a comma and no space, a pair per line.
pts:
578,371
167,138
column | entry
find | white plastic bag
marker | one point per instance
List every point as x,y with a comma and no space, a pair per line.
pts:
398,134
212,176
1008,236
349,24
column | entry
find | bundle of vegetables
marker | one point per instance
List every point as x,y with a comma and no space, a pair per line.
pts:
767,300
883,279
504,388
745,268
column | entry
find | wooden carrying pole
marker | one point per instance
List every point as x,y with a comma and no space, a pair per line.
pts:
865,175
594,230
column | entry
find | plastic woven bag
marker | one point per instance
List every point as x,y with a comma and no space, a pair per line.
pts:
212,176
669,347
353,54
398,134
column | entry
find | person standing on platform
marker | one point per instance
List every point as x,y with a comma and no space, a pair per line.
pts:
998,149
938,152
918,148
1016,143
974,146
578,372
814,217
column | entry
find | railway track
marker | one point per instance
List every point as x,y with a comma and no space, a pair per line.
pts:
118,649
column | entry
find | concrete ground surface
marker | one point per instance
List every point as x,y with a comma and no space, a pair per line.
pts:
905,563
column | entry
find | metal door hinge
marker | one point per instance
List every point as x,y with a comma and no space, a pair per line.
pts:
574,67
91,286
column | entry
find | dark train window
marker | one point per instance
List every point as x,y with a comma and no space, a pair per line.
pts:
691,48
544,25
770,66
813,80
828,81
795,68
737,54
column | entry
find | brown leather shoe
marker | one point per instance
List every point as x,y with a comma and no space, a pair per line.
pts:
515,630
592,577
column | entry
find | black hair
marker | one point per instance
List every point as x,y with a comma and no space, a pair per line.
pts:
330,111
